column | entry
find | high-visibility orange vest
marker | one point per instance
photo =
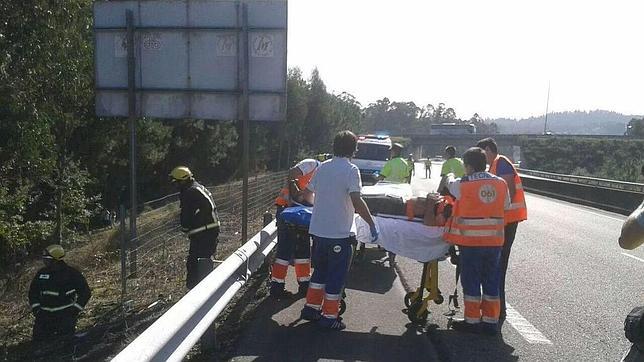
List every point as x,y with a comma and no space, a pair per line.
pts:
284,199
478,216
518,210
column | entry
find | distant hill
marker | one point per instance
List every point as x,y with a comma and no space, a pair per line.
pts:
577,122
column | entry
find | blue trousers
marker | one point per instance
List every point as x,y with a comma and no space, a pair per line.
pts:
480,270
331,258
292,245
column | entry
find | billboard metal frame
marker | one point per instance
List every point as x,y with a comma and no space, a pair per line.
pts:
242,91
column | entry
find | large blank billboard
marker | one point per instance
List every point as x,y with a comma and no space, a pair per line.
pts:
187,58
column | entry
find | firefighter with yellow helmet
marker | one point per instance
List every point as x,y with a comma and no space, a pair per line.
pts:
199,220
57,294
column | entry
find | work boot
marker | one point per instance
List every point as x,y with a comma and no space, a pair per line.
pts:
332,323
463,326
310,314
392,259
489,329
277,290
302,289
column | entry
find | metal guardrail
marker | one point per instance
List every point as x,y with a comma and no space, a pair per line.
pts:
172,336
590,181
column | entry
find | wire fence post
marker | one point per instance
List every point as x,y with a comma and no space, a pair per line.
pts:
123,241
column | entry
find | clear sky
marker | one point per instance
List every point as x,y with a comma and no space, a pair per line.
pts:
494,57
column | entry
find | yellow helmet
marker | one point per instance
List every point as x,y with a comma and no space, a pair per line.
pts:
54,251
181,173
323,157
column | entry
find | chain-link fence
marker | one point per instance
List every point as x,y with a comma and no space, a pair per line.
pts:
127,300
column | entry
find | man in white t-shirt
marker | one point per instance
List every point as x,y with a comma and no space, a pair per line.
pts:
337,187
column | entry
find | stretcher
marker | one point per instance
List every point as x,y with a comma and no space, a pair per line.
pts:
416,241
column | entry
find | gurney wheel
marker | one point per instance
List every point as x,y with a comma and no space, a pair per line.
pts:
412,313
343,307
439,299
408,298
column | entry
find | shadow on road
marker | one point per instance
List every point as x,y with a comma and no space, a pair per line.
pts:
372,273
455,346
373,335
304,341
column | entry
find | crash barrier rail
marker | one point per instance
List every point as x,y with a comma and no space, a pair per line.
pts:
172,336
611,195
591,181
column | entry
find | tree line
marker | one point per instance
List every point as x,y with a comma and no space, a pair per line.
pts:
60,165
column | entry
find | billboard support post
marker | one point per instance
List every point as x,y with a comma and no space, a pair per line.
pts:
244,118
132,123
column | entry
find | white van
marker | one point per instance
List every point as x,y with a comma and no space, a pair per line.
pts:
373,152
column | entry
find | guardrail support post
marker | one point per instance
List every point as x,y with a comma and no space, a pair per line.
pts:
268,218
209,339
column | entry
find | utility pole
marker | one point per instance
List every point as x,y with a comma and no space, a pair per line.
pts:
545,124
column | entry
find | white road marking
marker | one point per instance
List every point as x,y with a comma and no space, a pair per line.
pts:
633,256
529,332
525,328
578,208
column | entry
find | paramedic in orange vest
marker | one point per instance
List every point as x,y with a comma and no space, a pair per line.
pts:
476,226
289,246
502,167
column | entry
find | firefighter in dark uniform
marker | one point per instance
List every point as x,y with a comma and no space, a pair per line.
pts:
199,220
58,293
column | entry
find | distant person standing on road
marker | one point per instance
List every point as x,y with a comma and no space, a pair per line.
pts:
502,167
199,220
397,169
337,188
428,168
412,167
57,294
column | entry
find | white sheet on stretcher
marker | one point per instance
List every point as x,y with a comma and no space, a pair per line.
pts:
410,239
382,188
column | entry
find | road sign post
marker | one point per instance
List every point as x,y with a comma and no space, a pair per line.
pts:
131,99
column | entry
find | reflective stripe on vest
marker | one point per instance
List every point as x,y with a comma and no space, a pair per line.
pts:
454,231
210,226
284,199
478,216
56,309
479,222
518,210
215,217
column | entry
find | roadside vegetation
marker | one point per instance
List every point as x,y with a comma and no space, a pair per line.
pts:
610,159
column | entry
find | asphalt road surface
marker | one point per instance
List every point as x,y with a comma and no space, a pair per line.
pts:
569,284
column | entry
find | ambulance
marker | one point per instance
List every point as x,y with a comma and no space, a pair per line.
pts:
373,152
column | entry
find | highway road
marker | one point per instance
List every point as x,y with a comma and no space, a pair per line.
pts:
569,284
